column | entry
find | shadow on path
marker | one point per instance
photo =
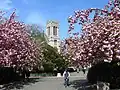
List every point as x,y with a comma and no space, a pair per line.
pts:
82,85
20,84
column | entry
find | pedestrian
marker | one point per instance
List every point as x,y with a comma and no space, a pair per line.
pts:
84,69
27,73
66,76
78,69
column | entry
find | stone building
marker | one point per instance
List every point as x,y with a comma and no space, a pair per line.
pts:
52,32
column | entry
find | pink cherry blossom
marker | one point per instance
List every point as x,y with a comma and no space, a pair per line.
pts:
16,46
100,36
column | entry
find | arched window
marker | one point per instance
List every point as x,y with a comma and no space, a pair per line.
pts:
48,30
55,42
54,30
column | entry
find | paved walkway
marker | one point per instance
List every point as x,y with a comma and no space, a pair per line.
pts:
54,83
47,83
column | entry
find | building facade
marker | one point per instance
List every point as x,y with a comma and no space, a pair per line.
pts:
52,32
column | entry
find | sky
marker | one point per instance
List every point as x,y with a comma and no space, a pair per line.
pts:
39,11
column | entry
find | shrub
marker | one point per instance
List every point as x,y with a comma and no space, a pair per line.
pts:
105,72
115,83
8,74
48,67
100,72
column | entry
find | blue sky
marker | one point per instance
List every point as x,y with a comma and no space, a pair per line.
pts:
39,11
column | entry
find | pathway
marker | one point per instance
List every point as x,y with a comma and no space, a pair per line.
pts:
47,83
54,83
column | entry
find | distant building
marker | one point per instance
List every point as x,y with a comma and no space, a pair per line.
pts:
52,32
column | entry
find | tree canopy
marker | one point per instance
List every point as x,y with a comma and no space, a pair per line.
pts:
53,58
16,46
100,36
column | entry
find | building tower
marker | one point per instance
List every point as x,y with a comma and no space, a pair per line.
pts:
52,32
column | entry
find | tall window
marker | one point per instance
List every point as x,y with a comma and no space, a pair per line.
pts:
48,30
54,30
55,42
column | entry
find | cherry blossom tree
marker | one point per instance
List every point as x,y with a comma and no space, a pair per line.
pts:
100,37
16,46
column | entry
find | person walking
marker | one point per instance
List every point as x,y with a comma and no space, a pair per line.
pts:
78,69
66,76
84,69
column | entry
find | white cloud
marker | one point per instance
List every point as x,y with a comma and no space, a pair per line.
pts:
6,4
35,18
